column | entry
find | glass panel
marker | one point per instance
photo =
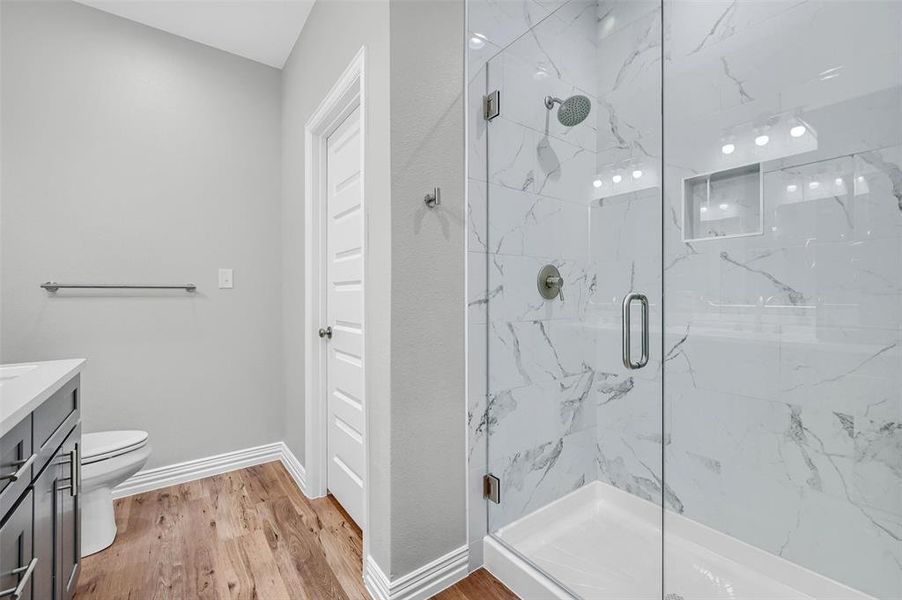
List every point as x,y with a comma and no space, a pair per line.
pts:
783,353
573,434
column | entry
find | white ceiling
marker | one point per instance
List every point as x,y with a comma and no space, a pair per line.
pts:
261,30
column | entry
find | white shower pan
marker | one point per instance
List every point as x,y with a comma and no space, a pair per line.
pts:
604,543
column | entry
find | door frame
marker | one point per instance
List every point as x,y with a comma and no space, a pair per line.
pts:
346,95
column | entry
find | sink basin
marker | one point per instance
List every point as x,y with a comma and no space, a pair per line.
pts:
7,373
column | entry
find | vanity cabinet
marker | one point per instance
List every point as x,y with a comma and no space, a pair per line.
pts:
57,526
17,560
40,531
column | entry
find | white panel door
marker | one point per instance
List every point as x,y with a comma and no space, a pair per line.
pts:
345,428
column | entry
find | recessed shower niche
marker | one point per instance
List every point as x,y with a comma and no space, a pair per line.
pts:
723,204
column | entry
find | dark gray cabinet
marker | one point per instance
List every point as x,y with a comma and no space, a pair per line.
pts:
57,523
40,530
68,515
17,560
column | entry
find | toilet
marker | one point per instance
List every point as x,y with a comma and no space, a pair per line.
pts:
107,459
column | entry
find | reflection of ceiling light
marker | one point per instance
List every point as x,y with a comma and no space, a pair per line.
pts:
814,185
860,178
477,41
703,209
762,140
616,178
723,206
597,183
838,181
728,148
797,131
637,174
541,73
791,188
830,73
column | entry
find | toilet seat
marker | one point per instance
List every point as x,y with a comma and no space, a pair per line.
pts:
104,445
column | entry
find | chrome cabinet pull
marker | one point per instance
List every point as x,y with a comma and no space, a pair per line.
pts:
16,592
326,333
626,324
21,471
74,474
74,469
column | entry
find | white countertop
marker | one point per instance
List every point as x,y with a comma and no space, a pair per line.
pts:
23,386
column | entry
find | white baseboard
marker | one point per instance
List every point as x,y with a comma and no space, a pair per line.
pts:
192,470
421,584
294,468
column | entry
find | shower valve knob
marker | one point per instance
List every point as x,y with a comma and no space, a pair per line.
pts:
550,283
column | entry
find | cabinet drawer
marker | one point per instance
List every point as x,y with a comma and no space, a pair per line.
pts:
16,464
17,562
54,419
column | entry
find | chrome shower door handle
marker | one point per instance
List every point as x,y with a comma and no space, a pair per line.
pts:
626,324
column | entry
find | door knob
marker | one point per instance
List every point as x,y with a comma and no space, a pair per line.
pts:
326,333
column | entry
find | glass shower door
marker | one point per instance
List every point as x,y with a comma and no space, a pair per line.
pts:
783,287
574,410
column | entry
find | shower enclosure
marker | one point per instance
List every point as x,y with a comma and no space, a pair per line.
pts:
686,275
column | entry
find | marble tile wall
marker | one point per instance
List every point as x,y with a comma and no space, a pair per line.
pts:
783,350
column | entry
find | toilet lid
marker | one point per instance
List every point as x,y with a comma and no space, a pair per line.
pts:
106,444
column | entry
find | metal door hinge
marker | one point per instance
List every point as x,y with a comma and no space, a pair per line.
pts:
491,488
492,105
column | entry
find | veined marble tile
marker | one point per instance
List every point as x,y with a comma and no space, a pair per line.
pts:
614,15
532,478
478,295
527,417
839,376
530,225
563,45
698,26
477,216
503,21
512,155
860,549
532,352
626,54
874,473
622,227
477,392
752,368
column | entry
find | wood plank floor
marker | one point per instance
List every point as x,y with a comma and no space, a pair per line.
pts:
244,534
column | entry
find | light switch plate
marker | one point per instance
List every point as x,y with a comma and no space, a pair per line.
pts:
225,279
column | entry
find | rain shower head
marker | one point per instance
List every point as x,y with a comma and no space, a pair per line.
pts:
572,111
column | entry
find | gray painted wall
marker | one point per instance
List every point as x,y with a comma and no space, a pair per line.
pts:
428,407
332,36
131,155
